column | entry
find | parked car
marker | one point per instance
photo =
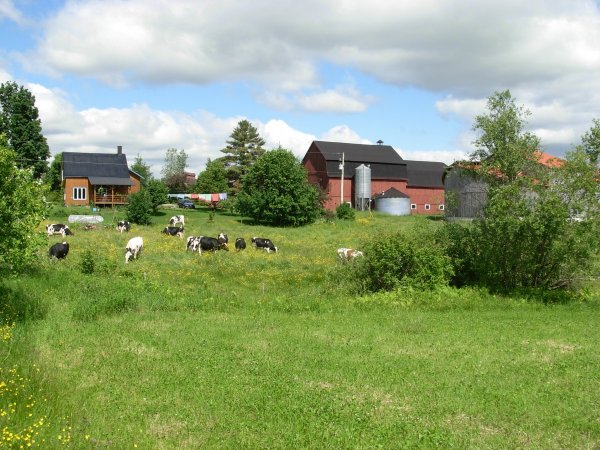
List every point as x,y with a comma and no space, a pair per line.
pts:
186,203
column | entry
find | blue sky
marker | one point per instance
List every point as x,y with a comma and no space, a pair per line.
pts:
151,75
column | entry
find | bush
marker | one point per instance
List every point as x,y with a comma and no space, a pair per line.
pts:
403,260
345,212
276,191
140,208
87,265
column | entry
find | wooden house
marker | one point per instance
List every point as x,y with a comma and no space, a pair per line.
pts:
421,181
102,179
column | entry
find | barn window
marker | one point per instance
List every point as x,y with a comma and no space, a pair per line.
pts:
427,206
79,193
413,206
441,207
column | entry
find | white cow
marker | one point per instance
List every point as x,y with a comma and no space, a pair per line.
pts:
133,248
177,219
348,254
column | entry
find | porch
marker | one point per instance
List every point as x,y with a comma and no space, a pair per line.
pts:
109,199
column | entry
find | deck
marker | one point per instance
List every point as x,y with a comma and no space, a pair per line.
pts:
108,199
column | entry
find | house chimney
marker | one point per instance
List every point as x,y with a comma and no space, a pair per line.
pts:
119,149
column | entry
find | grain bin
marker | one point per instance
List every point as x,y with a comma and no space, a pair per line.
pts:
393,202
362,187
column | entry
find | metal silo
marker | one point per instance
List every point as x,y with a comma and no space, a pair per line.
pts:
362,187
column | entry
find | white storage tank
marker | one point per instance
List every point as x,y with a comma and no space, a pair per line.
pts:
393,202
362,187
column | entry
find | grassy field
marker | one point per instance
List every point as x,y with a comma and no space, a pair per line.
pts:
257,350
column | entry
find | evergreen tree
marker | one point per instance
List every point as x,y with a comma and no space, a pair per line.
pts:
20,123
143,169
244,147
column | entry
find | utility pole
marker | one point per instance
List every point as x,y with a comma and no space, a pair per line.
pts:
342,184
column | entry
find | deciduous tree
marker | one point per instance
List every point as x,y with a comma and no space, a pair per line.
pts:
276,191
213,178
20,123
591,141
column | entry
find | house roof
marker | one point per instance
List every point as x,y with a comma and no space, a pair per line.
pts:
425,174
391,193
102,167
110,181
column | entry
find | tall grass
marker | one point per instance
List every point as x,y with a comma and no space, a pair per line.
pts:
257,350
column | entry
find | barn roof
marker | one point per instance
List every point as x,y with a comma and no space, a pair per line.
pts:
362,153
105,168
425,174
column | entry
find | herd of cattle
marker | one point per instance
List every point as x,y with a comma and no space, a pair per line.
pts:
194,243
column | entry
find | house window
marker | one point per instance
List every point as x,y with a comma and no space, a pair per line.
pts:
441,207
413,206
79,193
427,206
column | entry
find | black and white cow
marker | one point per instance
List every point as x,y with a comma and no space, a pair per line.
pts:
240,244
177,220
193,243
264,243
59,250
58,228
133,248
211,244
173,231
123,225
223,239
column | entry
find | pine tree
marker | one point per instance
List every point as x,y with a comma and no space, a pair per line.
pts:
244,147
20,123
143,169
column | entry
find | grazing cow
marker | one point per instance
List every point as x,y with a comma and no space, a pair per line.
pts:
211,244
240,244
177,220
58,228
59,250
133,248
123,225
348,254
173,231
193,243
223,239
264,243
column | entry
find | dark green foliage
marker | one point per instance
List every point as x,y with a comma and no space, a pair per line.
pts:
591,142
20,123
244,147
22,209
275,191
139,209
213,178
157,191
345,212
53,177
143,169
402,260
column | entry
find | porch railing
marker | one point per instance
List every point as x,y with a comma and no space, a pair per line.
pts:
108,199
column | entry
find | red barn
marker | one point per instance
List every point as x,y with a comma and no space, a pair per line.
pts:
421,181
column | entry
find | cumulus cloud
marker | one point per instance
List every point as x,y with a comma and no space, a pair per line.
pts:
10,12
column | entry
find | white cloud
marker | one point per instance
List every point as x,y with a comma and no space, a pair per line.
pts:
10,12
445,156
343,133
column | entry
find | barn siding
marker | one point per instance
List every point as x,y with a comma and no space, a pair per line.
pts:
422,196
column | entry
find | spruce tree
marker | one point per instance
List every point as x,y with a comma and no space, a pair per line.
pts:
244,147
20,123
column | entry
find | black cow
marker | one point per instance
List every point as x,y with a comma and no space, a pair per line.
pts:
59,250
211,244
173,231
240,244
264,243
123,225
58,228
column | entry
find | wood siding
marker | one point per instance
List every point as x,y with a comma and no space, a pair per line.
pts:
70,184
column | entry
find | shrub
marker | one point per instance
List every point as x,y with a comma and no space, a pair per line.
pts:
345,212
403,260
140,208
276,191
87,265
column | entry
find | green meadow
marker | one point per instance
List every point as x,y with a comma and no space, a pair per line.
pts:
258,350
